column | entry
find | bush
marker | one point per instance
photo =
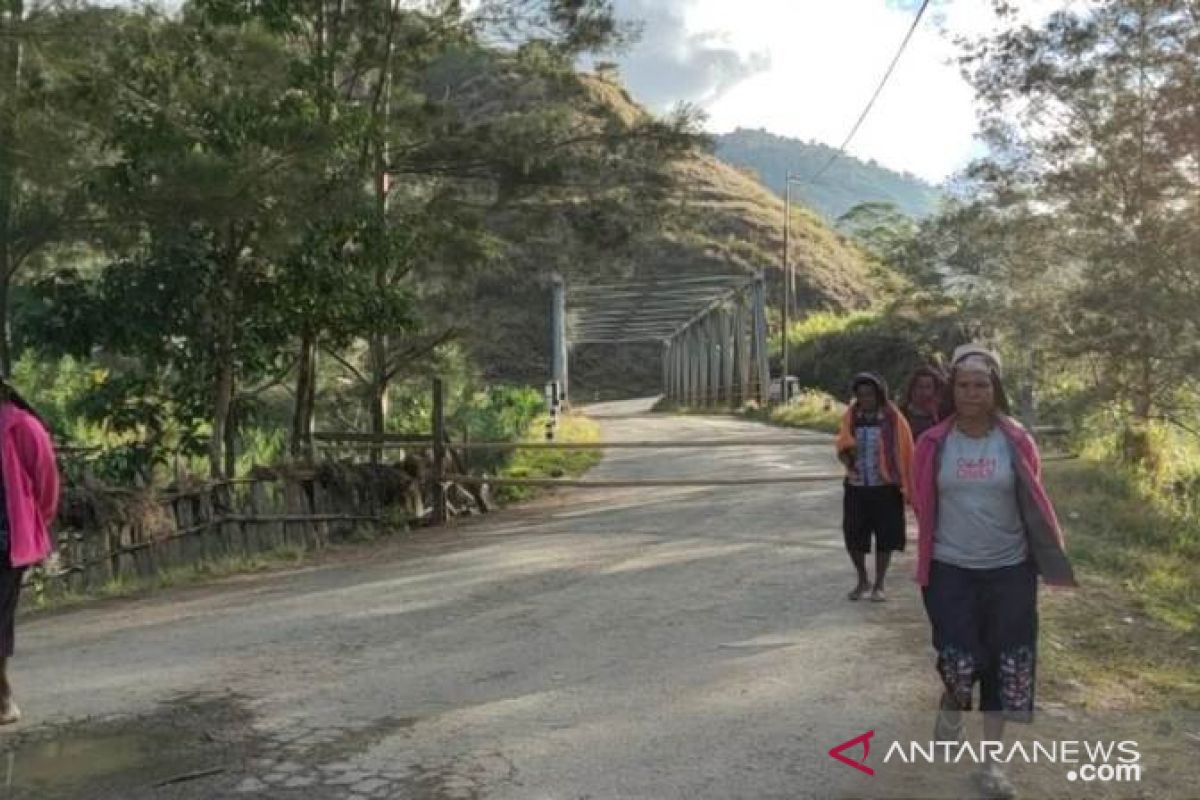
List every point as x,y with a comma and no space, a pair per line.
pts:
827,350
551,463
495,414
811,409
1144,534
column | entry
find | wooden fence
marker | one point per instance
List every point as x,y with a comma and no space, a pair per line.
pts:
114,535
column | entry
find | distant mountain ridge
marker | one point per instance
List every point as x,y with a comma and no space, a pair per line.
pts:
848,182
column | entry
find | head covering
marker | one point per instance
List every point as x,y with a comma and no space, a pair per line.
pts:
977,358
874,380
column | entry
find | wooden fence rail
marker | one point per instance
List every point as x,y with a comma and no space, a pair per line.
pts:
305,510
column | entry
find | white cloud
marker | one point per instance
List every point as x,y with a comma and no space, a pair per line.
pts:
815,64
676,63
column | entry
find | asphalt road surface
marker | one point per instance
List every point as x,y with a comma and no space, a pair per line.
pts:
636,643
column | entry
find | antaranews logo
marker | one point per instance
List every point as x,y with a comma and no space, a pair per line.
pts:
865,741
1088,761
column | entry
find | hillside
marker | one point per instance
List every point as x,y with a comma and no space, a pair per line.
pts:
845,184
723,222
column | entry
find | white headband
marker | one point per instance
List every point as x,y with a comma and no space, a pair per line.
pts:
977,363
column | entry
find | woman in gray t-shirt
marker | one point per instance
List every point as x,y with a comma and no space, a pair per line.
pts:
986,531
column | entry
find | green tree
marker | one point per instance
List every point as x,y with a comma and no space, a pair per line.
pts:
210,138
45,147
1092,120
881,228
450,133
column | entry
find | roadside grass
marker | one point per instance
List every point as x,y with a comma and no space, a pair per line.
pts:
1130,636
187,575
811,409
574,428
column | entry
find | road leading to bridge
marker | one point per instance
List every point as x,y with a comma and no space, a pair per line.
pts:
596,644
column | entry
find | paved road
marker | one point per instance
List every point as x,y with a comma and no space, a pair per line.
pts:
626,644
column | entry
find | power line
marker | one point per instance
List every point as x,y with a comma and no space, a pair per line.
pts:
878,89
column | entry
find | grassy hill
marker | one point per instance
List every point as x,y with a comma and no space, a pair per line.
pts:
722,221
845,184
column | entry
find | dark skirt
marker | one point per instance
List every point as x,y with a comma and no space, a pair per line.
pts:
873,511
10,593
985,628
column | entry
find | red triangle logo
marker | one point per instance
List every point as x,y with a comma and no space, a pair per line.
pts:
865,741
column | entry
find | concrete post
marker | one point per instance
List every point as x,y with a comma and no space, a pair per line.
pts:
730,359
666,369
714,362
762,359
743,350
558,335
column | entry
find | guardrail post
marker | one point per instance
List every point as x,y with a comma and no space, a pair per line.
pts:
558,324
439,453
554,401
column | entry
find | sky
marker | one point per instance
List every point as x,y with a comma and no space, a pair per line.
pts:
806,68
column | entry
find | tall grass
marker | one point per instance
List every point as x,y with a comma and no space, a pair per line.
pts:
827,323
551,463
1116,528
812,409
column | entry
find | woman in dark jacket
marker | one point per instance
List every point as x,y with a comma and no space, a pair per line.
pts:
923,399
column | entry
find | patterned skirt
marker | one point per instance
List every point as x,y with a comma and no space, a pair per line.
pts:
985,630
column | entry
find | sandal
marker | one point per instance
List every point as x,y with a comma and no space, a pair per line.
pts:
994,784
10,713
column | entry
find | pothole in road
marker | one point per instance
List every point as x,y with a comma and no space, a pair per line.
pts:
187,740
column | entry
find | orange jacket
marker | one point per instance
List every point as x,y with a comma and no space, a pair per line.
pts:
896,454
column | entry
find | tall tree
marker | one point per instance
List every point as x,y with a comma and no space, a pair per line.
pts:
1092,116
448,128
210,138
45,147
881,228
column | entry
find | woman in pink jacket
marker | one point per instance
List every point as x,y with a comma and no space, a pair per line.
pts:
30,502
986,530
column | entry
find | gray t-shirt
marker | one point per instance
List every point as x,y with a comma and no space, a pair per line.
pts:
979,520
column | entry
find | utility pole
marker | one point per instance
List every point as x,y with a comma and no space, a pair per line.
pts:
788,288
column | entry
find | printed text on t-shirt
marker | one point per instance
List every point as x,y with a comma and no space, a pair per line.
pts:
976,469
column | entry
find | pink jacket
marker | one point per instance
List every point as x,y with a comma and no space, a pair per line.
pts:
1044,535
30,484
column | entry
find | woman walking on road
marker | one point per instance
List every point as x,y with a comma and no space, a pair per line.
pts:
923,399
986,529
29,485
875,445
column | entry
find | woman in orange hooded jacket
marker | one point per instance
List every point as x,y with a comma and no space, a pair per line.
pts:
875,444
